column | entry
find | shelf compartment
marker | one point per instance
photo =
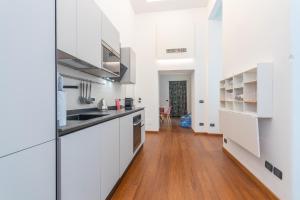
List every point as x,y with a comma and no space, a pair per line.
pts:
250,75
238,81
239,106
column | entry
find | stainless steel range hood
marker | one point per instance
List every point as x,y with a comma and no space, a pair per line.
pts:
80,65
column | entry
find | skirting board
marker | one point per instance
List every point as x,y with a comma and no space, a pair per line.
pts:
264,188
209,134
151,132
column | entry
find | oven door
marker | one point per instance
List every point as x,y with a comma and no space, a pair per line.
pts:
137,135
111,60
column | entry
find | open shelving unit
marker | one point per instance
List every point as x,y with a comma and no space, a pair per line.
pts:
245,98
249,91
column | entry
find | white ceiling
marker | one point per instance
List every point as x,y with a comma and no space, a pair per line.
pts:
142,6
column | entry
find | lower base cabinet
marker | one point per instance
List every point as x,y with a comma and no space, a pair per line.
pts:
126,142
92,160
80,165
109,156
29,174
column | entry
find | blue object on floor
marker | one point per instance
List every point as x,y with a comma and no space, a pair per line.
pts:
186,121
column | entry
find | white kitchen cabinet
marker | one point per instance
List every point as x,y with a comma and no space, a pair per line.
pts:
110,35
67,26
80,164
126,142
27,74
89,32
109,156
128,58
143,126
29,174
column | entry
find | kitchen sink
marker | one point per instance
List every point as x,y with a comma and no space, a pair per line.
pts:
82,117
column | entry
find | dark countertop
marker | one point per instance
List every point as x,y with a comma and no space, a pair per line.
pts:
74,125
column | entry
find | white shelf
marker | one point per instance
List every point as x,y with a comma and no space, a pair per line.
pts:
242,107
252,88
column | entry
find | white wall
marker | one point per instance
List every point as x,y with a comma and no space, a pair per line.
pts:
258,31
147,67
164,97
109,90
295,61
213,73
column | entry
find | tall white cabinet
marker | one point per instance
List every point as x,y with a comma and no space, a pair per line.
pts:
29,174
27,131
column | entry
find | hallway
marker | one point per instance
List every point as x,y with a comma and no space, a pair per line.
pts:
176,164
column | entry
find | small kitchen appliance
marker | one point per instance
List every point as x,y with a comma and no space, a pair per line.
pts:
129,103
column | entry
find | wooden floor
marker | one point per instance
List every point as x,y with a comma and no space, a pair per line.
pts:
176,164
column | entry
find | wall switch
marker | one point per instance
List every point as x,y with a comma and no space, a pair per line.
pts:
277,173
269,166
201,124
212,125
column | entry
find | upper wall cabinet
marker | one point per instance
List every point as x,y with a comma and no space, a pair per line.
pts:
79,29
175,40
89,32
128,59
110,35
67,26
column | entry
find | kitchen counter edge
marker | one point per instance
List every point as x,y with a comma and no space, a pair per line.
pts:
63,131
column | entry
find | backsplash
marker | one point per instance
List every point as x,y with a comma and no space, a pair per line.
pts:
109,90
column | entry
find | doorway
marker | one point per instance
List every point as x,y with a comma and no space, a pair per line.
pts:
178,98
175,95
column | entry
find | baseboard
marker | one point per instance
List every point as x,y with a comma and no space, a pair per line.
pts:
151,132
257,182
208,134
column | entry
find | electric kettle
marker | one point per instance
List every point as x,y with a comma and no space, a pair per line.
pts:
102,105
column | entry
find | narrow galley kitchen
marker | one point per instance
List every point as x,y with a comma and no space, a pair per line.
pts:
149,100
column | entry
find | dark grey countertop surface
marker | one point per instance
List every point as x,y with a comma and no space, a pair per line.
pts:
74,125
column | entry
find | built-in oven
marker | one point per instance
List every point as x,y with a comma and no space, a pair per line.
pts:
111,60
137,132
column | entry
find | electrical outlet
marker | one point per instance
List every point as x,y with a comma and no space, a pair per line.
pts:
277,173
201,124
225,140
269,166
212,125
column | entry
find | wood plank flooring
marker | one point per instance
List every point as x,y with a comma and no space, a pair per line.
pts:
177,164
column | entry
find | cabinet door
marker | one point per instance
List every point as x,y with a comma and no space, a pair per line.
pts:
126,142
29,174
27,68
67,26
110,35
80,165
143,126
109,156
132,67
89,32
